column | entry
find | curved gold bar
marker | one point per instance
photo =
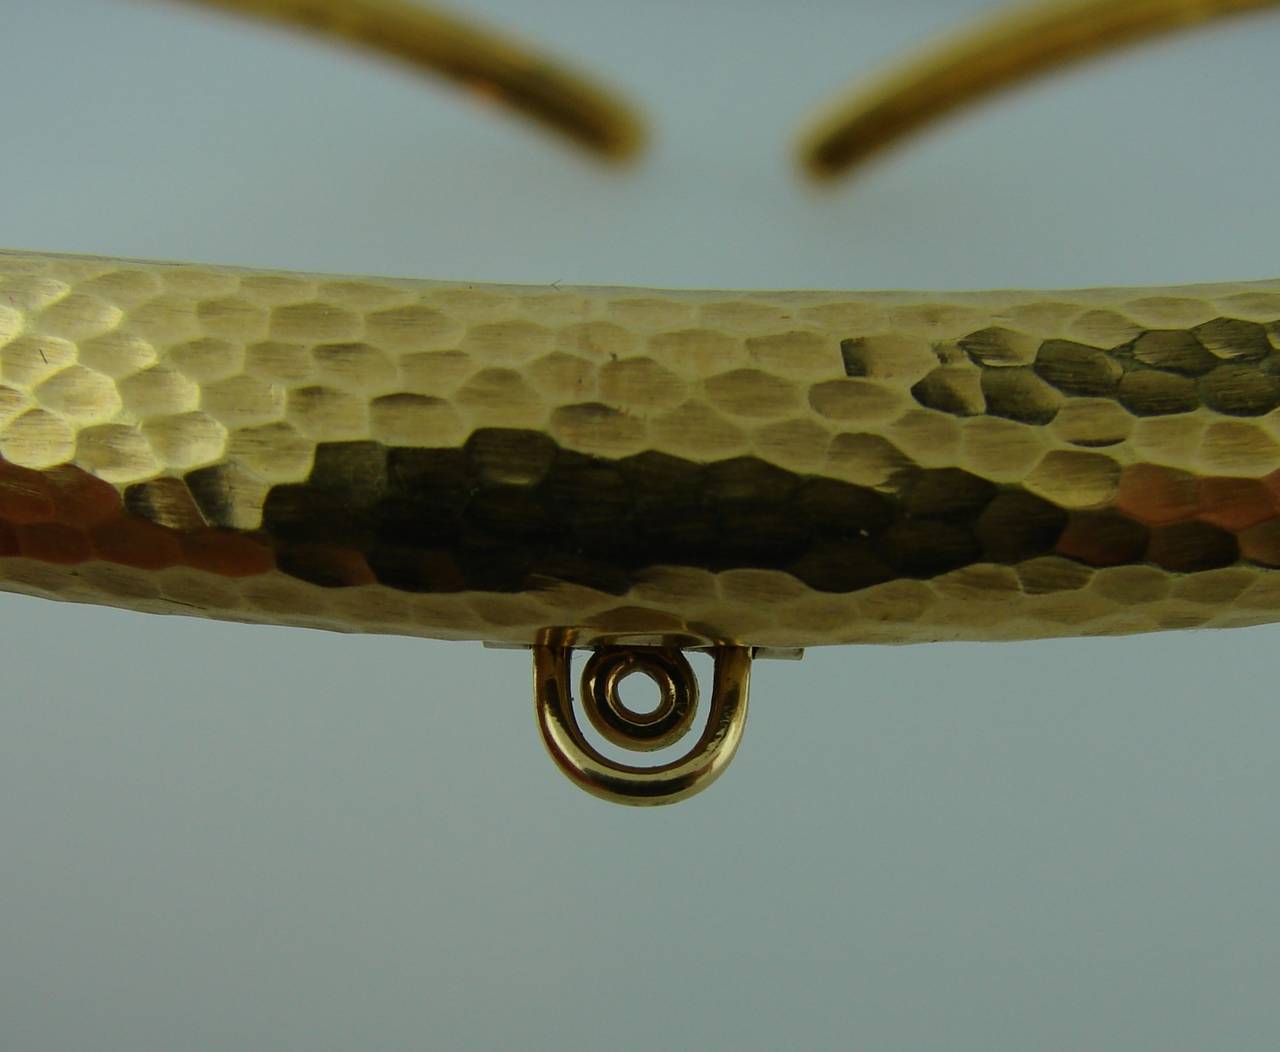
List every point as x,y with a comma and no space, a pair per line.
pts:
455,460
640,786
491,64
1011,47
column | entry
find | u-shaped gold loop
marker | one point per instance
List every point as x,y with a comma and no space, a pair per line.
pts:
640,786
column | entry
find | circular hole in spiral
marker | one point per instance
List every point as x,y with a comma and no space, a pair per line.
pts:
648,715
639,692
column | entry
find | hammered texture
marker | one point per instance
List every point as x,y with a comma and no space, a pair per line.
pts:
775,469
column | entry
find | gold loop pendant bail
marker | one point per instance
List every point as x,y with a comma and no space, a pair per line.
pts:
624,727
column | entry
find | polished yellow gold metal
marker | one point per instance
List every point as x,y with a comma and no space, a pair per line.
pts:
628,728
493,65
778,470
764,469
619,783
638,471
1012,46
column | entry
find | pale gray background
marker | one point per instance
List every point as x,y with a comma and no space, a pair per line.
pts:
217,837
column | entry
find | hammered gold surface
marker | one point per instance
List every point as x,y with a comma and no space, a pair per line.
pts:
777,469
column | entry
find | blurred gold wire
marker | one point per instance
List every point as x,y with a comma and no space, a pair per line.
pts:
1010,46
490,63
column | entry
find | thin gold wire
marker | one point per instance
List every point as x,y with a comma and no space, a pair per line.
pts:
493,65
1012,46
